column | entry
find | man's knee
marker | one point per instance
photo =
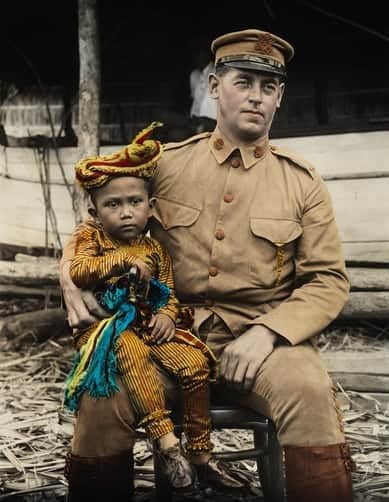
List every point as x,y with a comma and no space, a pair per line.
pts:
300,396
296,371
306,382
105,426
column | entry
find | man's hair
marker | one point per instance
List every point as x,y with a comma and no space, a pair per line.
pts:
221,69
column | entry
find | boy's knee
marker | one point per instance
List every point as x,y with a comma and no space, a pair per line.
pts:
200,366
195,368
128,347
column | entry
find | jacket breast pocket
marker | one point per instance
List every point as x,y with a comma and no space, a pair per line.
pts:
275,246
171,214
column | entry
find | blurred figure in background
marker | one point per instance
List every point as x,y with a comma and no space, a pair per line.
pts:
203,109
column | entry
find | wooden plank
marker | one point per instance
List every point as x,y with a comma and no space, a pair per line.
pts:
28,274
29,327
361,208
361,382
369,279
358,223
359,371
26,268
366,252
23,236
366,305
334,154
21,163
11,291
366,363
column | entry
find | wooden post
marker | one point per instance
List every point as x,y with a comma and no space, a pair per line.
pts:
89,92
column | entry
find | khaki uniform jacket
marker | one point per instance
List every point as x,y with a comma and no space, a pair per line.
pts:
252,235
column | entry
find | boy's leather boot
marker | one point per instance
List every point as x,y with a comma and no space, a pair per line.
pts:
100,478
319,473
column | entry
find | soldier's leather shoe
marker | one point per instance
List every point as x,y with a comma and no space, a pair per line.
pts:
217,474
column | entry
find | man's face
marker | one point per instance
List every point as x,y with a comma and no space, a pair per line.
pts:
123,207
247,102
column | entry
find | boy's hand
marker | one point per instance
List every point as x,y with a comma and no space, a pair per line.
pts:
163,328
144,270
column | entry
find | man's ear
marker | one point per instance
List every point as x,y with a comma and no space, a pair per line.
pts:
151,205
280,94
213,84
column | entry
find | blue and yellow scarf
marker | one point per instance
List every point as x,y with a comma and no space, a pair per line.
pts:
95,366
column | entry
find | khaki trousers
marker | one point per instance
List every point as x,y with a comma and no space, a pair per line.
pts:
292,387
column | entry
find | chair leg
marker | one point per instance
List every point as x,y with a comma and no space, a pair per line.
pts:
271,468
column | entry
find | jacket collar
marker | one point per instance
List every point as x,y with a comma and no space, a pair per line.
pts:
222,148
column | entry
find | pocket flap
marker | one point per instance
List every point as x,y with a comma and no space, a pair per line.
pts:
172,214
279,232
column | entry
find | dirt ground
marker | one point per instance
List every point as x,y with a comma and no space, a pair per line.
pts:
35,430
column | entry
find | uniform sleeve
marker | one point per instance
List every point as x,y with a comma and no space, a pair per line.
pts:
322,285
165,275
68,251
88,267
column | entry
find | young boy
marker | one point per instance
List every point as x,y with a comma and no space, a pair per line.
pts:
143,327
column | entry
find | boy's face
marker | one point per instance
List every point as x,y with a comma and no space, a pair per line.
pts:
123,207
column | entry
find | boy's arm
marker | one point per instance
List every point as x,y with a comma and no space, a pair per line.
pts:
89,267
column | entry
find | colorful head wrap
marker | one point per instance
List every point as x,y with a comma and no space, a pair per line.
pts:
139,159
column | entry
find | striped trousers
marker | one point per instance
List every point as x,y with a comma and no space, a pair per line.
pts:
189,367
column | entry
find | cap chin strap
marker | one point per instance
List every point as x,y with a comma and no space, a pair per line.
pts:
254,63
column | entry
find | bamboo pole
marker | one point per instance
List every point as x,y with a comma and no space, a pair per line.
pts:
89,92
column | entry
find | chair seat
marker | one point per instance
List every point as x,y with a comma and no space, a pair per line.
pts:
232,417
266,450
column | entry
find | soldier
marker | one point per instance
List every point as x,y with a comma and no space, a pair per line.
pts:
255,247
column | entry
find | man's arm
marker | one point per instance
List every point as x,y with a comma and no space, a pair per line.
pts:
321,283
321,292
165,275
81,305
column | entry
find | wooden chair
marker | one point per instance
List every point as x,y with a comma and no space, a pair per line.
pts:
266,451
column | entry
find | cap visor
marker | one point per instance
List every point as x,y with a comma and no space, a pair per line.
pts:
256,66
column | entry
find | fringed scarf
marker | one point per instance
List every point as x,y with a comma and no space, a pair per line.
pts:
95,366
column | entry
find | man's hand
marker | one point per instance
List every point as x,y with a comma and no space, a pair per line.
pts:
163,328
243,357
82,307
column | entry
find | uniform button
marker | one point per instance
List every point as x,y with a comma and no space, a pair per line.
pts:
208,302
228,197
258,152
218,143
213,271
235,163
219,234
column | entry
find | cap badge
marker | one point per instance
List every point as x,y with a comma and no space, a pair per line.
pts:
264,44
